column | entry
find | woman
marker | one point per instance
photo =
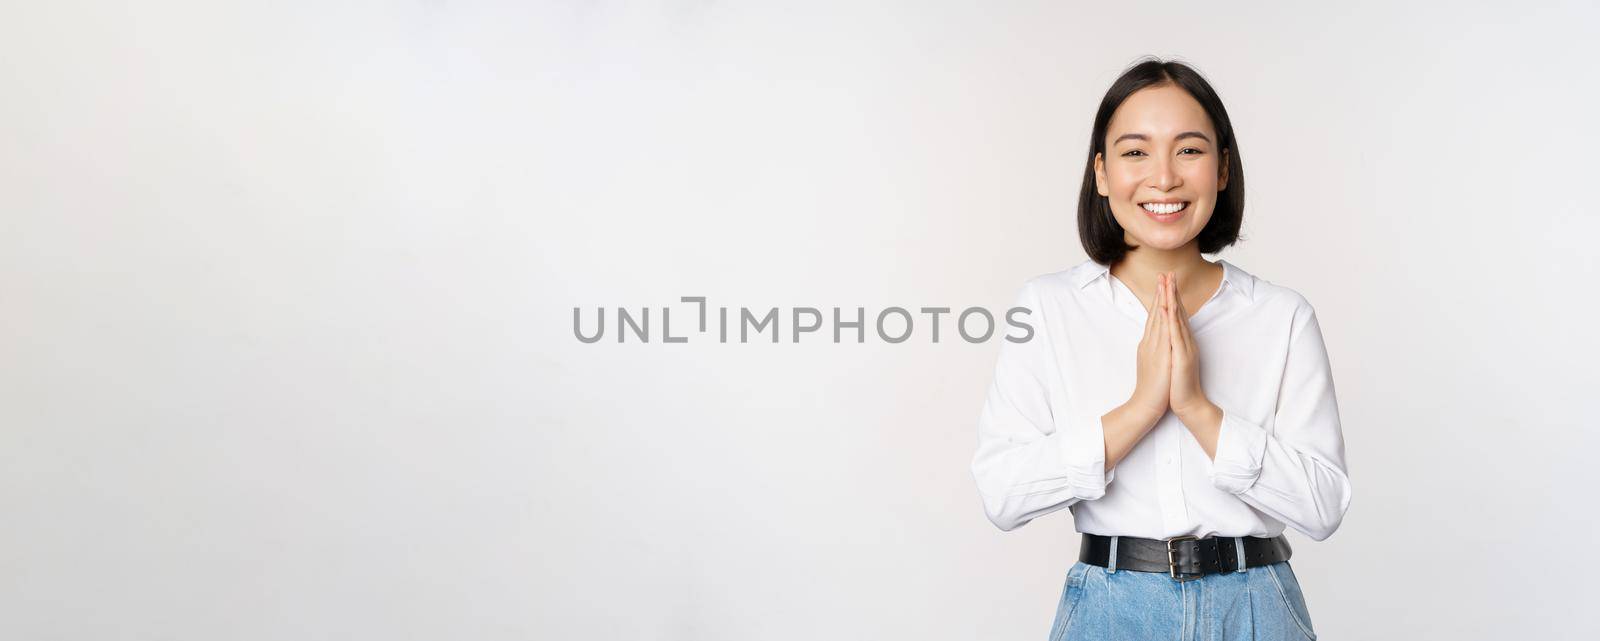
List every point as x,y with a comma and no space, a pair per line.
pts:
1183,442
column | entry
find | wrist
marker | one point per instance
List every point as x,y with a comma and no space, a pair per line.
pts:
1147,412
1203,412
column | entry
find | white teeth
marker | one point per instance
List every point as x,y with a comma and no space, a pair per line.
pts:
1163,208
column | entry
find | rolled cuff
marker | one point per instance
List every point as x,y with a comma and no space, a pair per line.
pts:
1084,453
1241,449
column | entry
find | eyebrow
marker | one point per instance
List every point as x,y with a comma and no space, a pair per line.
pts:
1186,134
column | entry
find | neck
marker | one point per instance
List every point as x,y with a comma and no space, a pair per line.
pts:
1144,263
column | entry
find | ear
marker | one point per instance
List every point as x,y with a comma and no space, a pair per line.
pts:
1222,179
1100,174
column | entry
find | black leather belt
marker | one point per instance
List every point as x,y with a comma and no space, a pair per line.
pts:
1184,558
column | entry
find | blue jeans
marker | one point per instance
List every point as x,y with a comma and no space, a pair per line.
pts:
1257,603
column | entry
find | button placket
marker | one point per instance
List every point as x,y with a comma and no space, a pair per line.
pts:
1169,478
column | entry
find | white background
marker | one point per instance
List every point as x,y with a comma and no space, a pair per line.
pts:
287,301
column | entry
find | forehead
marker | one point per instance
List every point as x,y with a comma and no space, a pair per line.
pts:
1160,112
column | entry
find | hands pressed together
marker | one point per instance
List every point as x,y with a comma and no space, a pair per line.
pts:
1168,361
1168,378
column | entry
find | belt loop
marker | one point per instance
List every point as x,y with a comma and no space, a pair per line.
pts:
1238,544
1111,561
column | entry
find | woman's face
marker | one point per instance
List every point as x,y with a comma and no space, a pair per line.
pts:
1162,168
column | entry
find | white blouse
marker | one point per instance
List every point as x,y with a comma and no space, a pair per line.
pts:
1279,455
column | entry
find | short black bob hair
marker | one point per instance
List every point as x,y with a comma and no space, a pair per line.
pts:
1098,230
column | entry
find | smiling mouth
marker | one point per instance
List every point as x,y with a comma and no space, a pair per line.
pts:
1165,209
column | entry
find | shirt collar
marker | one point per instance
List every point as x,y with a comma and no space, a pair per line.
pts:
1232,276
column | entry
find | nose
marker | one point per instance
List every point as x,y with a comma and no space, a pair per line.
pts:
1166,177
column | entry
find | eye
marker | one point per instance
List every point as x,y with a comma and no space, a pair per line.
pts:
1197,152
1131,153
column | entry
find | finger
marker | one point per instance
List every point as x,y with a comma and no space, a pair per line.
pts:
1187,334
1150,317
1181,316
1158,309
1172,292
1170,314
1180,324
1153,314
1176,303
1173,326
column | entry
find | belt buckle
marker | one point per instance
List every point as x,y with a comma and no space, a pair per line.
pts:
1172,563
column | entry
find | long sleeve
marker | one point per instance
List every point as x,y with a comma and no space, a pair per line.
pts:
1295,473
1033,456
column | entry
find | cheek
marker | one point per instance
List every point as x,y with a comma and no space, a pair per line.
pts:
1124,181
1203,173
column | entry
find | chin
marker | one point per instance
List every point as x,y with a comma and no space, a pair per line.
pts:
1165,241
